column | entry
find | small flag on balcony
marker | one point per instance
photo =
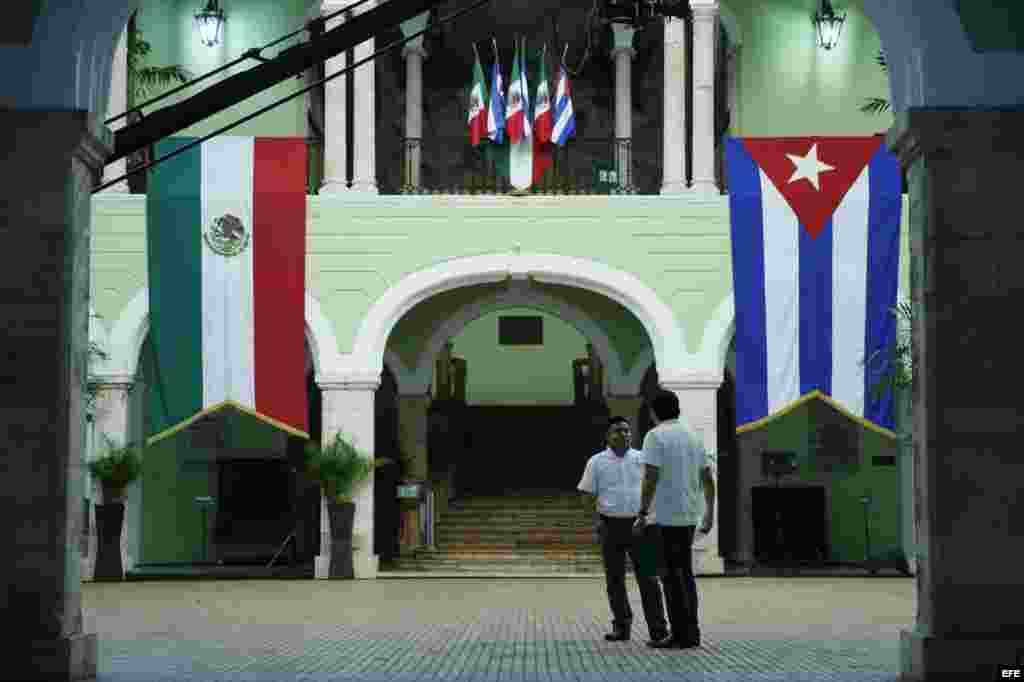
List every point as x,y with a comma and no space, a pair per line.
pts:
565,118
521,152
477,110
514,122
496,106
542,120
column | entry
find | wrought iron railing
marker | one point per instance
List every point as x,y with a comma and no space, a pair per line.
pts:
447,165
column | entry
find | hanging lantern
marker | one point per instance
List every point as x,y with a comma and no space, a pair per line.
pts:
829,25
210,23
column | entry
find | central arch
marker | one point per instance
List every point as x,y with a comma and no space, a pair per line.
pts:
660,323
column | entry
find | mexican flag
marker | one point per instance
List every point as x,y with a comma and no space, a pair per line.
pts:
515,117
526,162
226,238
543,121
477,110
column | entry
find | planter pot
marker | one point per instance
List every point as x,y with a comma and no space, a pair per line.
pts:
109,521
341,515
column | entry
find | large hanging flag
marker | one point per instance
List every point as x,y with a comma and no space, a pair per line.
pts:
815,261
514,117
496,105
542,119
477,108
226,236
565,118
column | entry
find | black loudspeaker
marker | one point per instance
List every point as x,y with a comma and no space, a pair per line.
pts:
778,462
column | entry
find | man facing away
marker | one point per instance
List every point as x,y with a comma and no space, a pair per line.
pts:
676,467
611,481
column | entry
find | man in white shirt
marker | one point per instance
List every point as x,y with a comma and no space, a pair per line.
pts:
676,467
611,482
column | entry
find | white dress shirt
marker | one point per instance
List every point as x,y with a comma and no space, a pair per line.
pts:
680,457
615,481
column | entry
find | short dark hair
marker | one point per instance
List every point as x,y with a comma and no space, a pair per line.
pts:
665,405
615,420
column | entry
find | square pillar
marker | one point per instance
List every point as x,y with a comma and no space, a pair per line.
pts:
335,171
964,169
705,32
49,160
698,410
348,409
364,117
674,120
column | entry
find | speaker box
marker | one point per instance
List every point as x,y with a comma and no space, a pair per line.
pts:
778,462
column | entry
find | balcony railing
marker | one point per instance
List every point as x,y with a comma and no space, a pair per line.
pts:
451,166
448,165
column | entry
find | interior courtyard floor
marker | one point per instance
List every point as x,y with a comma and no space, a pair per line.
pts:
753,628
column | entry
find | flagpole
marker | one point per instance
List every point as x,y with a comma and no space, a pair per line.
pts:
565,52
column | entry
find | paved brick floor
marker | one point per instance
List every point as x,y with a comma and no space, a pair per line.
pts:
515,630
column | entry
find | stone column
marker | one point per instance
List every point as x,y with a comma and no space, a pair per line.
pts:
963,170
335,175
705,30
111,420
698,408
674,124
348,408
623,53
414,54
364,123
50,160
117,102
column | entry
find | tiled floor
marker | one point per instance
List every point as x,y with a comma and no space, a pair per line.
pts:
761,629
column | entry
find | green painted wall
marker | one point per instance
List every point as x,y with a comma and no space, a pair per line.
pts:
520,375
789,86
169,27
845,522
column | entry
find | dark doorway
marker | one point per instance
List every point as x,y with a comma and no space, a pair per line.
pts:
728,467
386,514
789,523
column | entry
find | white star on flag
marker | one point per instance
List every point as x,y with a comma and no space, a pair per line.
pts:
808,166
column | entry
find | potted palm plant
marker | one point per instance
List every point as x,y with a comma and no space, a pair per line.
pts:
115,469
340,467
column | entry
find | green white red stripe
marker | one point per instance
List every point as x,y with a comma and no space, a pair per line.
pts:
228,329
477,118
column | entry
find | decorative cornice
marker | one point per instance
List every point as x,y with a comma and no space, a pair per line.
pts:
690,381
362,380
704,12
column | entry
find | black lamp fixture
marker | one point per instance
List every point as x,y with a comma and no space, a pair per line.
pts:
829,25
210,23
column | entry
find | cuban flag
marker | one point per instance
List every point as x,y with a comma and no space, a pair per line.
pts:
815,261
565,119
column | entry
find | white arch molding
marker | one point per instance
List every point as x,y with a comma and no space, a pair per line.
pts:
519,294
663,329
124,342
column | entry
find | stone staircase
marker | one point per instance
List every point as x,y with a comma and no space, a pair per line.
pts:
516,533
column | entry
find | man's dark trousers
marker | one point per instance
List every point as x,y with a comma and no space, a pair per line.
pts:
617,539
680,585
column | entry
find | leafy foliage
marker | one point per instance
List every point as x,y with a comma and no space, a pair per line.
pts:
118,466
899,370
877,105
144,79
339,467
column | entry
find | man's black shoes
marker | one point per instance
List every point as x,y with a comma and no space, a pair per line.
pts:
670,642
617,635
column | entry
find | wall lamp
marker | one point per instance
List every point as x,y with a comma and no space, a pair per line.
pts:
829,25
210,23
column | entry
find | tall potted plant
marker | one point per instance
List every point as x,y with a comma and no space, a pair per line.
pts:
115,469
340,467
